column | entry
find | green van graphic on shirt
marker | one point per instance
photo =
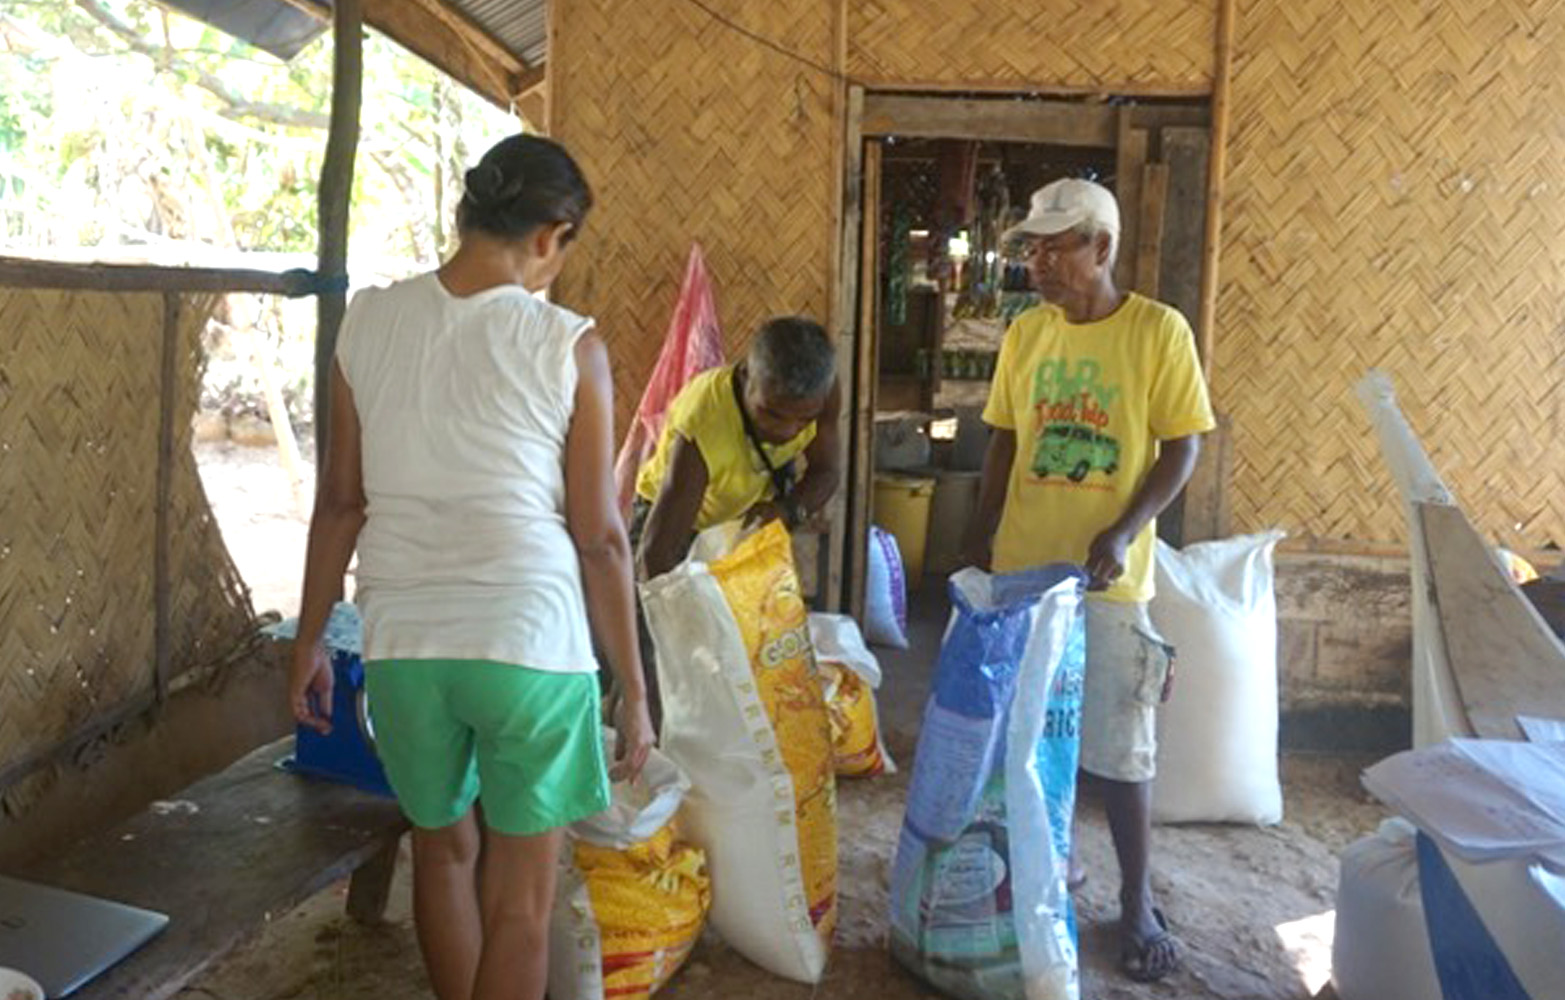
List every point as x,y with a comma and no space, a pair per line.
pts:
1073,451
1070,404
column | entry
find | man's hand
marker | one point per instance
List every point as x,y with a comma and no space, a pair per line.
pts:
633,724
763,514
310,683
1106,558
976,552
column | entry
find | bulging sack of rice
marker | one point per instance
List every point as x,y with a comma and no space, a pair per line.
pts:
632,896
850,676
979,906
744,717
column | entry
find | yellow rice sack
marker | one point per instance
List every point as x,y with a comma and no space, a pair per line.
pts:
632,897
855,732
849,675
744,716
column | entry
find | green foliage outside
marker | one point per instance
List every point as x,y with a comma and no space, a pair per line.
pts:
129,132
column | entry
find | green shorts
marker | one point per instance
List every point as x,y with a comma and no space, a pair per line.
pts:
528,742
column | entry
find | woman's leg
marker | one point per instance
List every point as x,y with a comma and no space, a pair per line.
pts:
428,756
516,894
445,905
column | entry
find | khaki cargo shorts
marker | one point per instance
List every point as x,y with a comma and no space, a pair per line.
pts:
1127,664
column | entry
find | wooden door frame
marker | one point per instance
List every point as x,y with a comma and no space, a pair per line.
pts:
872,117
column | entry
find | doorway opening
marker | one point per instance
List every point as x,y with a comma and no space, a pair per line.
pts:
942,178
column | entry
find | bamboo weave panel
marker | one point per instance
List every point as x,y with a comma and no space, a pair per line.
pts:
688,131
1395,198
1100,45
79,420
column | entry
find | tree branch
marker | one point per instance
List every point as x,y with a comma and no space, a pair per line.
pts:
236,106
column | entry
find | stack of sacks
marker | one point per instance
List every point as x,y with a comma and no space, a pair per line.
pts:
745,718
632,897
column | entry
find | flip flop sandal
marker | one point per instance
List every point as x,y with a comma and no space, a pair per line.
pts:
1134,958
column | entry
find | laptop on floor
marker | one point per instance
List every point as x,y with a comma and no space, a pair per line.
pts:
64,939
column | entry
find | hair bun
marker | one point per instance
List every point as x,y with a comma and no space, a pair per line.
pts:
484,183
513,188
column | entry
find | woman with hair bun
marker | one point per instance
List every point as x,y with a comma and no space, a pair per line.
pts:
470,464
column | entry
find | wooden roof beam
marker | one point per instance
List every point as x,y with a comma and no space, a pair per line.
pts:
443,35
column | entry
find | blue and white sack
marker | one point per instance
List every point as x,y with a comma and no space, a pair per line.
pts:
996,767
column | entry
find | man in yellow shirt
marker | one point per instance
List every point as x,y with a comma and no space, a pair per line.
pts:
733,439
1097,409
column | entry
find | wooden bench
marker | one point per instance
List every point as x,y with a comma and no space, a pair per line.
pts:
253,843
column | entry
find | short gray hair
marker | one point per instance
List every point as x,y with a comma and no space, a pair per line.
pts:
1091,229
792,357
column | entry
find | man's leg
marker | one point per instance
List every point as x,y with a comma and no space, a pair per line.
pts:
1145,942
1126,666
445,906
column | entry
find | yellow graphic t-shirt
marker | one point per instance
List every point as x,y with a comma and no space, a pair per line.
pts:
706,414
1088,404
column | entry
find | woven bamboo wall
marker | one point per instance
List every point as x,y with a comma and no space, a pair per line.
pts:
689,130
1112,46
1395,198
1396,185
79,430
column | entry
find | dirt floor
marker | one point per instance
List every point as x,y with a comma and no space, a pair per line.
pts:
1253,907
262,522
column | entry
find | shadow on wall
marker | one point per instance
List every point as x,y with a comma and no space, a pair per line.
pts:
199,731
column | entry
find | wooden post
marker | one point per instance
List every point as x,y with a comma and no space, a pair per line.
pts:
1222,78
844,315
868,366
162,532
1186,151
1130,158
1204,514
1149,251
335,198
370,887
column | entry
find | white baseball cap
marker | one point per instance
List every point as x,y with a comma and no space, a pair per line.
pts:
1066,204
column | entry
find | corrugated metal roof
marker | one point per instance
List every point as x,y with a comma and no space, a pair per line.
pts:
520,25
279,28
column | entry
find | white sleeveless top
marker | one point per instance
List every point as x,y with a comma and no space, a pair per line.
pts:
464,404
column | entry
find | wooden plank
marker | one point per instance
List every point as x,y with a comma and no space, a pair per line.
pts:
334,201
1503,656
1222,81
1065,123
533,107
1205,512
867,365
1184,231
844,314
1057,123
19,272
1149,243
1008,88
239,847
438,32
162,555
1130,158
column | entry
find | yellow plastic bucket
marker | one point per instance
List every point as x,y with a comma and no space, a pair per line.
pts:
902,508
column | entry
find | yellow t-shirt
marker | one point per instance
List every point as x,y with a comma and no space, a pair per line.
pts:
1088,404
706,414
